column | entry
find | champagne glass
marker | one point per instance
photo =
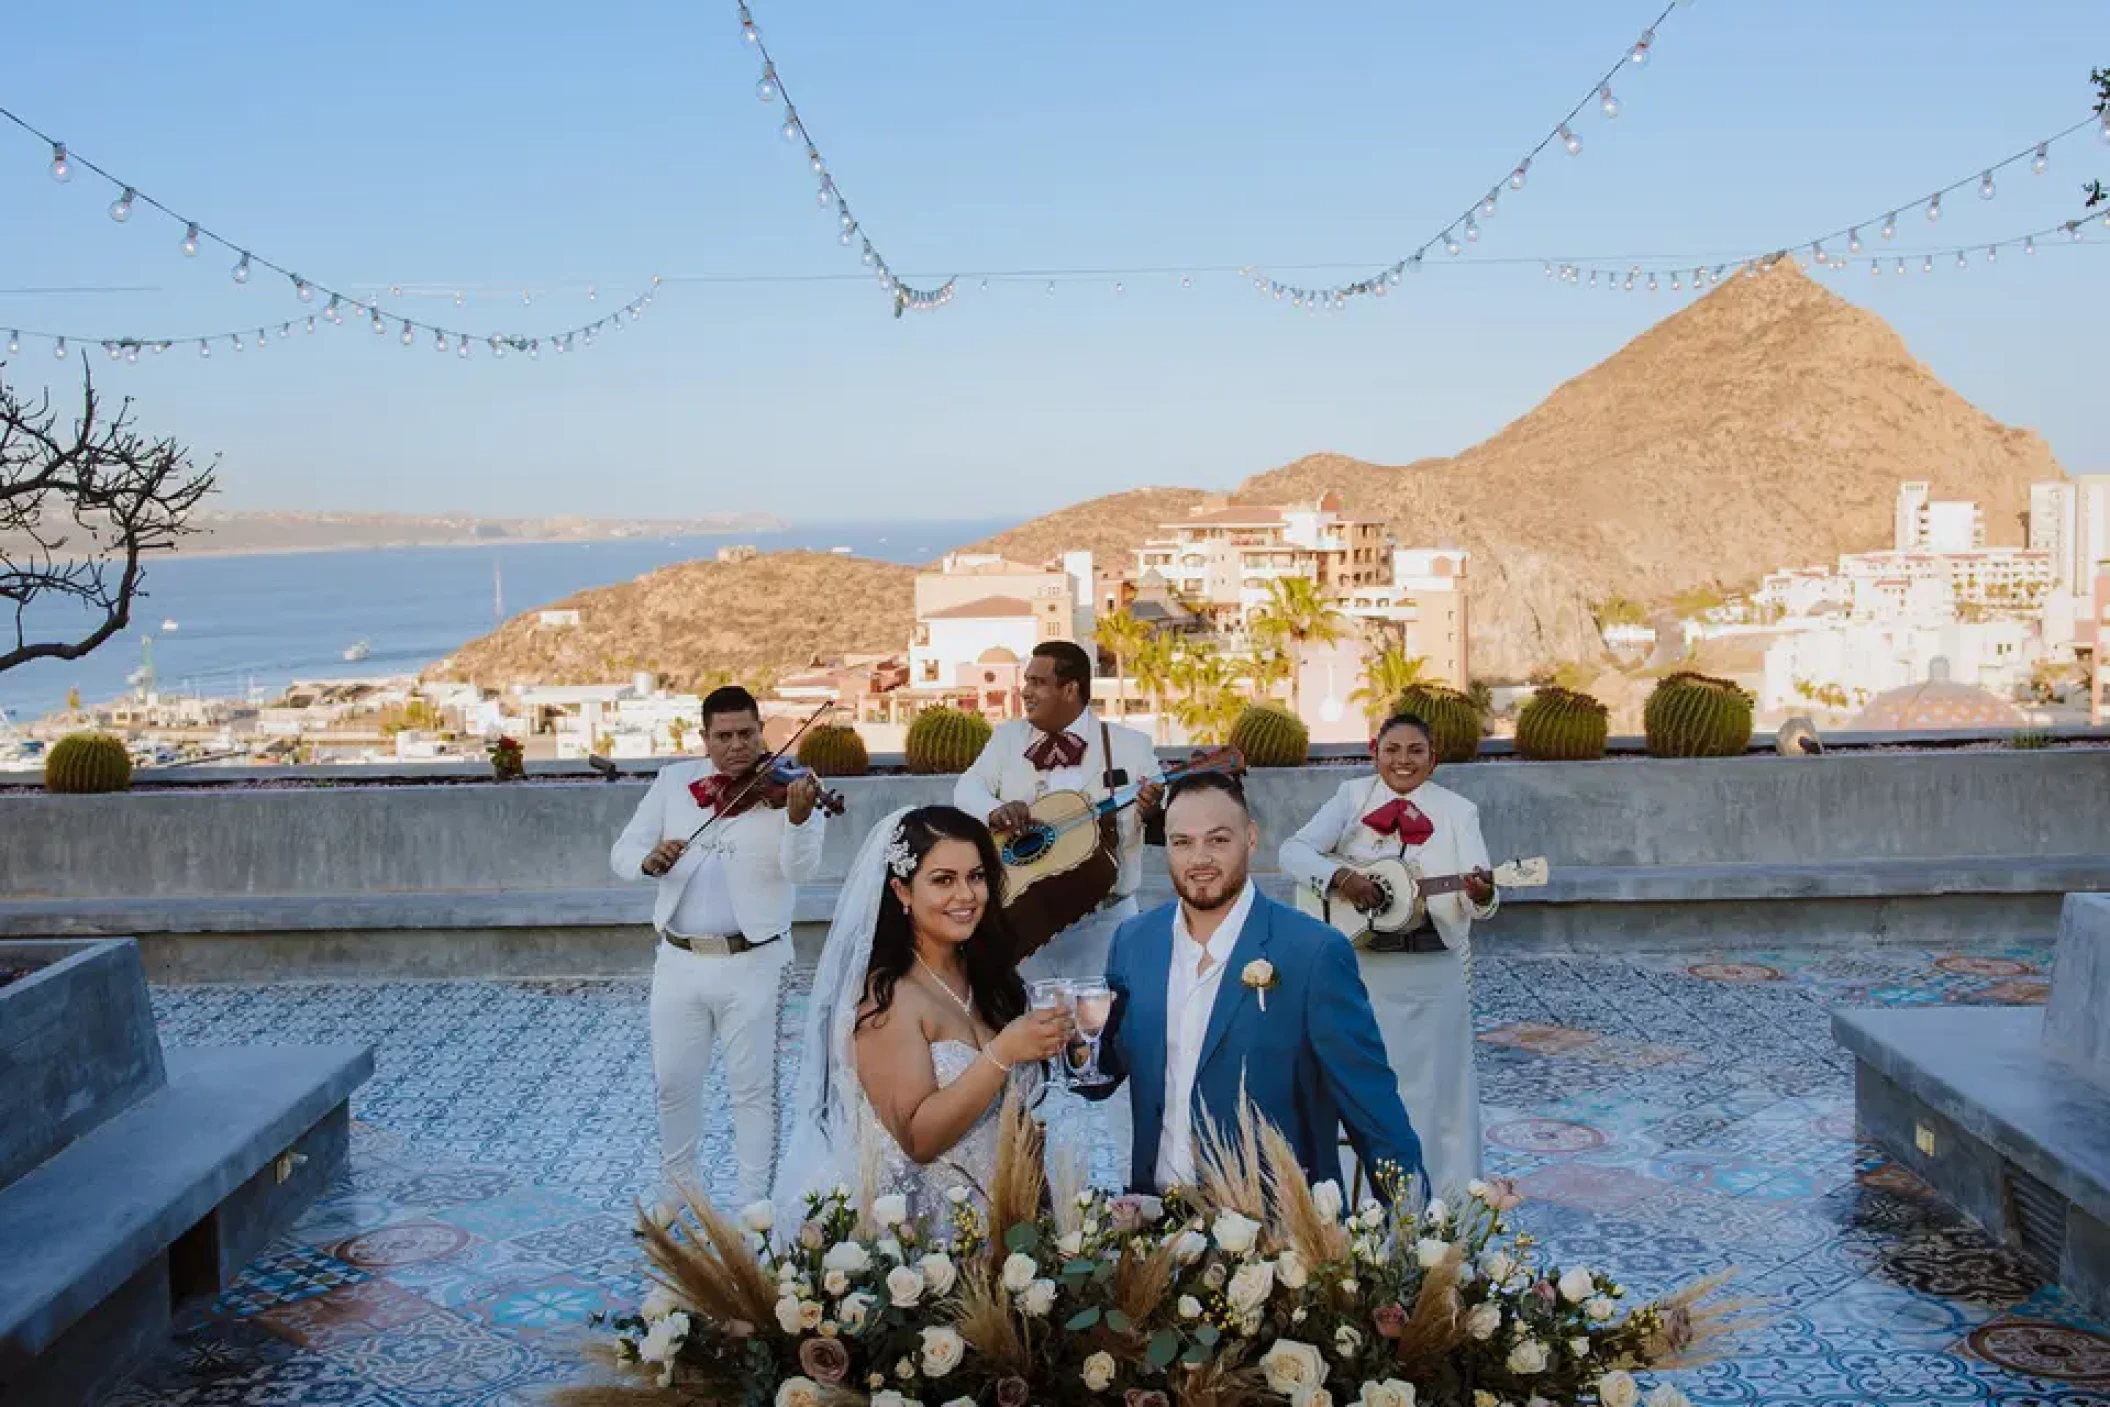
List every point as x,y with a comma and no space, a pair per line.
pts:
1095,1007
1053,994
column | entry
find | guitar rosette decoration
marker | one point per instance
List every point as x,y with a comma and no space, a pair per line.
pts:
1255,1288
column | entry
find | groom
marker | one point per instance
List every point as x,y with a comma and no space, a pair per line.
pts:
1228,991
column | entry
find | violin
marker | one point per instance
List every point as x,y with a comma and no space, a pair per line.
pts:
768,785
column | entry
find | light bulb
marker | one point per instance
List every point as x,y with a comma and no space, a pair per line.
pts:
61,168
241,270
311,324
1961,262
1930,265
160,347
1593,278
1853,241
131,351
1992,254
237,343
1450,244
1120,288
1487,207
261,340
458,300
868,258
2102,133
1875,268
463,350
378,326
112,350
2073,229
1051,288
1516,177
825,196
815,160
498,349
845,238
1639,53
1890,225
592,296
204,348
1934,211
1186,282
190,240
2041,161
1675,286
1414,264
2029,244
1472,231
1606,101
1901,266
285,330
791,125
409,335
331,311
439,340
1549,271
527,299
1570,140
1393,277
121,208
1817,253
535,349
14,343
304,290
749,32
1986,189
766,89
1652,283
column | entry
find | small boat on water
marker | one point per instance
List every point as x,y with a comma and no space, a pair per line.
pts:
168,627
358,652
840,551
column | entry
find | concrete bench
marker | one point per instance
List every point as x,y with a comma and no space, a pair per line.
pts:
2006,1111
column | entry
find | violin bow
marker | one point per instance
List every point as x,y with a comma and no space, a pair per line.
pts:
762,765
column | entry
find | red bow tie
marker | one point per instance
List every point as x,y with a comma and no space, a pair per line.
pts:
1402,818
1052,750
709,791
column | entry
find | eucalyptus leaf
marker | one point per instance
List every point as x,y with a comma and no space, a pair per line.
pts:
1164,1347
1083,1319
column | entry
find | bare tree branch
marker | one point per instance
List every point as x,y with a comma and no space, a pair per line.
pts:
80,510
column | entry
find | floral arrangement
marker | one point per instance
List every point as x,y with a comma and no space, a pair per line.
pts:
508,760
1258,1287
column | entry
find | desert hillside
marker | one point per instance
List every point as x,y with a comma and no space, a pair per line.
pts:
1766,425
1110,528
698,623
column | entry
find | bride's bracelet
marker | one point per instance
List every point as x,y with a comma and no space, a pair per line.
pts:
986,1055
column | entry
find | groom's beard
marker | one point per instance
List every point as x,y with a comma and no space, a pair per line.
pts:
1209,894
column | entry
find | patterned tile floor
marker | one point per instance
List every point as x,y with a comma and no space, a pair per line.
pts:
1668,1116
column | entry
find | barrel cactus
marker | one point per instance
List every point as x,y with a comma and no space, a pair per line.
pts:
1561,725
88,762
1693,715
945,741
1453,719
834,750
1269,736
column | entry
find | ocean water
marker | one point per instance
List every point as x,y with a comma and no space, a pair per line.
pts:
262,621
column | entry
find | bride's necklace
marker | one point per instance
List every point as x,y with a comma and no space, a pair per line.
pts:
957,1000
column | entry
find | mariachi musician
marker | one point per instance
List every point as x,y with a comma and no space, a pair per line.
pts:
1061,745
1417,980
724,918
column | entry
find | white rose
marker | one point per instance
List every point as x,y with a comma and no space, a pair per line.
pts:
1617,1389
1190,1307
1236,1234
663,1341
1429,1252
1258,973
1579,1346
1483,1321
1216,1275
1390,1393
1072,1244
855,1310
758,1216
1019,1271
1290,1271
1529,1356
788,1314
1292,1367
904,1286
810,1316
1476,1188
1499,1266
1326,1196
1347,1342
942,1351
1251,1286
1349,1286
1311,1397
1191,1247
835,1283
939,1272
1436,1211
1373,1215
1599,1308
1039,1298
1576,1284
659,1303
1664,1395
1099,1371
798,1392
848,1257
957,1196
890,1210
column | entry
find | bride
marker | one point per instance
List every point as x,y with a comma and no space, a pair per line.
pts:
919,1020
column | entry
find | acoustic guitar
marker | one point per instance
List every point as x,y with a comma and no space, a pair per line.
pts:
1063,863
1406,892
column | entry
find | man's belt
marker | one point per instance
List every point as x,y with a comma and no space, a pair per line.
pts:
1421,940
731,946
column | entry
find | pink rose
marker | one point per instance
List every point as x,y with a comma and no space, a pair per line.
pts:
1391,1321
824,1360
1547,1293
1013,1392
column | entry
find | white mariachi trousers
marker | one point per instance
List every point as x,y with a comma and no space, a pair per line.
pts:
698,998
1424,1009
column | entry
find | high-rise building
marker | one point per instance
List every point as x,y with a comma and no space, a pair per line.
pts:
2070,518
1927,524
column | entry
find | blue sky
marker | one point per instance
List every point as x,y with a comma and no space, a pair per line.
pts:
549,146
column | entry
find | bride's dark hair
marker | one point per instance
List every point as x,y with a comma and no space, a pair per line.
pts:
993,983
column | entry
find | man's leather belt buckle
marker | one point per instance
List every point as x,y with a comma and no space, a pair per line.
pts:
1421,940
728,947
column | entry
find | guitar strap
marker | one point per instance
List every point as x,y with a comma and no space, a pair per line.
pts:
1109,825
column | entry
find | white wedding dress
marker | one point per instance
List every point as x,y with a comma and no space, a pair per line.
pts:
835,1126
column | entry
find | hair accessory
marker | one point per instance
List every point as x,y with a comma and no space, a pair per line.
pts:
900,856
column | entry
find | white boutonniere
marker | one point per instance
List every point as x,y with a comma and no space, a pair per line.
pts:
1259,974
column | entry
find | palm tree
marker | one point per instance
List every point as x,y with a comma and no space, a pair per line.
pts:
1388,672
1154,663
1296,615
1210,702
1125,637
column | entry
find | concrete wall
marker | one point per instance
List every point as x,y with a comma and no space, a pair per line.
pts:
1655,837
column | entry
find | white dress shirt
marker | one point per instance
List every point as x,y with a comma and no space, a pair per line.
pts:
1002,774
1190,996
705,908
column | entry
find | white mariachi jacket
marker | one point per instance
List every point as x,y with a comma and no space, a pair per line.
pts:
1002,774
766,857
1314,854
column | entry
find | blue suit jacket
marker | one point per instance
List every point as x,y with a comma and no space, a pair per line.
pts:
1312,1062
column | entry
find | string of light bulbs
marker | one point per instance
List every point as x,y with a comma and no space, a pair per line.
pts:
1594,273
828,195
343,304
1465,228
